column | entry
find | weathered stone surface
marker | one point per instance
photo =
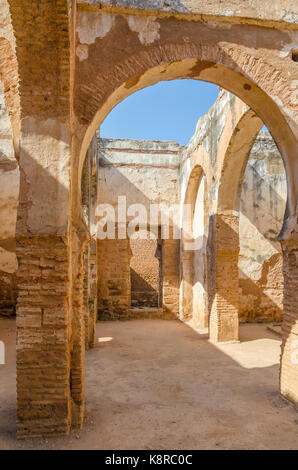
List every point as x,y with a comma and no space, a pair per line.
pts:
85,63
147,173
262,208
223,154
231,8
9,197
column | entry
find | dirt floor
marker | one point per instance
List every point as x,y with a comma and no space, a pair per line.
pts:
154,384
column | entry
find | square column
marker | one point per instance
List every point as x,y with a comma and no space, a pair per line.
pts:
223,279
289,348
43,352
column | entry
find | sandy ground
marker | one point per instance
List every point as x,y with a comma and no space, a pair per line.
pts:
154,384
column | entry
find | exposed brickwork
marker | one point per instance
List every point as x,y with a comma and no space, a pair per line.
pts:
289,350
78,344
114,298
57,124
46,396
43,31
145,273
224,293
43,350
92,301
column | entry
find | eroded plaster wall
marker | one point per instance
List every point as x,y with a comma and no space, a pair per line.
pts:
9,194
145,173
258,9
263,201
251,226
9,171
252,58
155,172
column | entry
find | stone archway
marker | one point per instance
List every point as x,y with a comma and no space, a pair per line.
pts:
220,59
61,107
225,238
193,284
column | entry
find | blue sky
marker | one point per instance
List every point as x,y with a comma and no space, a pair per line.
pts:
166,111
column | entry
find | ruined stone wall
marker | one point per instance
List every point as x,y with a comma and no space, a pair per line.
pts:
259,9
80,73
146,173
200,159
9,170
114,298
141,170
144,273
263,201
9,194
249,227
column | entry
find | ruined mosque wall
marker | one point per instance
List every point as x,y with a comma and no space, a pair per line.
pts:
262,207
202,158
137,272
151,172
263,201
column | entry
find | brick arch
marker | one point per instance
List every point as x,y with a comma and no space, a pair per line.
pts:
190,307
234,70
194,180
235,161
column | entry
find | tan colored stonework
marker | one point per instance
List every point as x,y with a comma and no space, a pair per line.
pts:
56,106
262,207
144,172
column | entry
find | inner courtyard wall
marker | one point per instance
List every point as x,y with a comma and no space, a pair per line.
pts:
139,272
262,208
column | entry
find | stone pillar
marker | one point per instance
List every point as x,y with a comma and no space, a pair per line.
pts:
43,354
186,290
86,264
44,220
223,278
289,349
93,244
77,367
170,266
43,281
92,293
